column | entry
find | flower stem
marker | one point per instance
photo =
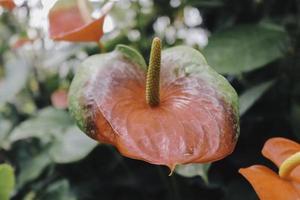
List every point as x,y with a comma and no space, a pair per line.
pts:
289,165
101,47
153,74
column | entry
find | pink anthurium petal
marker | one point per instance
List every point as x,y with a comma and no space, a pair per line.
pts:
59,99
195,122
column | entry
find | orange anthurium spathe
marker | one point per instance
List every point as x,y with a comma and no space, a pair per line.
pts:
8,4
176,111
268,185
71,20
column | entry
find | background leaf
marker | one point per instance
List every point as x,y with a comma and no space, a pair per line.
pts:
15,69
53,126
7,181
244,48
32,168
47,123
191,170
5,126
248,98
59,190
72,146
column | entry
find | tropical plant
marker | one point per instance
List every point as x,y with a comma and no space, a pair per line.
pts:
254,44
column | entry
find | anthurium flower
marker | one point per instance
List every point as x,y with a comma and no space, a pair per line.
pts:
71,20
176,111
8,4
269,185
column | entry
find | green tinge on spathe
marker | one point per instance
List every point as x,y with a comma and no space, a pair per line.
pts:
77,110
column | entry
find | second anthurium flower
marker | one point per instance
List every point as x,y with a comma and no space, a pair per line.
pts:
71,20
8,4
177,110
285,185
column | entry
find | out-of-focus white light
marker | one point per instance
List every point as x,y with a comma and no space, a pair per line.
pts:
32,33
161,24
43,16
36,18
19,2
175,3
125,4
170,35
192,16
47,5
32,3
146,3
108,25
196,36
134,35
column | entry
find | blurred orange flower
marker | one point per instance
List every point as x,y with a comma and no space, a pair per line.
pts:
71,20
59,99
8,4
20,42
269,185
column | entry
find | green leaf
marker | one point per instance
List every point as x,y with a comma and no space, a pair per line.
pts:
59,190
30,196
245,48
72,146
47,124
53,126
16,73
132,55
32,168
5,34
248,98
5,127
191,170
7,181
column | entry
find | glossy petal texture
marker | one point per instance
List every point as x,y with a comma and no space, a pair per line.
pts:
8,4
70,20
278,150
195,122
268,185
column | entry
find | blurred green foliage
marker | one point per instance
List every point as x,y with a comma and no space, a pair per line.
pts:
7,181
254,43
